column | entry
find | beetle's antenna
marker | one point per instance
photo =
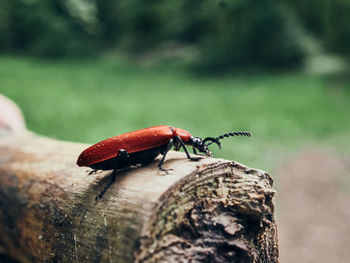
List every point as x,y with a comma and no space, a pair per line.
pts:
238,133
212,140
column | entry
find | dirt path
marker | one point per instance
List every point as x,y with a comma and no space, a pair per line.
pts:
314,208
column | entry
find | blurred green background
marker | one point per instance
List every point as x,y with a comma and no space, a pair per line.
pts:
86,70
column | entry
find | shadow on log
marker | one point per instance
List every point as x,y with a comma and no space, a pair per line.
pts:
212,210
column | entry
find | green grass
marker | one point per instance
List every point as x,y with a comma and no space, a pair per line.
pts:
88,101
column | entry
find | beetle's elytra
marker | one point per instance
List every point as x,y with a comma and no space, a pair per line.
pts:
143,146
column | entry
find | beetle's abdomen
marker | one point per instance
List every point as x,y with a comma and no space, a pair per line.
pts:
135,158
132,142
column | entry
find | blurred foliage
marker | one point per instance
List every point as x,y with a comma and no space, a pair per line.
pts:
329,20
45,28
225,34
242,33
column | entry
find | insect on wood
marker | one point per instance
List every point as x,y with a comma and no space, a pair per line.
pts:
143,146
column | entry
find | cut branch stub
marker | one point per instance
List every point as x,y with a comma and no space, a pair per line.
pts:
212,210
222,212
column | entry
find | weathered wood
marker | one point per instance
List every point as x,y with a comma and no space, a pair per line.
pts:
11,117
212,210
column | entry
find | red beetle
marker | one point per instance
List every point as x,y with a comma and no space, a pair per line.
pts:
142,147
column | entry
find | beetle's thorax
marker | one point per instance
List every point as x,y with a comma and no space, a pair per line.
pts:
183,134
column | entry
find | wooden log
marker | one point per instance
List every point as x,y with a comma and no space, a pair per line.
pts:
11,117
212,210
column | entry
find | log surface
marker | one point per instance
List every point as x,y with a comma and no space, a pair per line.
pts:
212,210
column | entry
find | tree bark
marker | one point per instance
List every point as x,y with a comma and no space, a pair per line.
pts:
211,210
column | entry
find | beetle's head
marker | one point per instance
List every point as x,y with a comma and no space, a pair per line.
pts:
202,145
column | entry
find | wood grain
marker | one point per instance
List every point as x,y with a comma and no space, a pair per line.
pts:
211,210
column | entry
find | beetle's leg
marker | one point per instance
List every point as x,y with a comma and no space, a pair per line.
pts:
114,176
93,171
123,155
194,150
186,151
164,152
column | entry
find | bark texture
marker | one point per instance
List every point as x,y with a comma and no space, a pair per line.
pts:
212,210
